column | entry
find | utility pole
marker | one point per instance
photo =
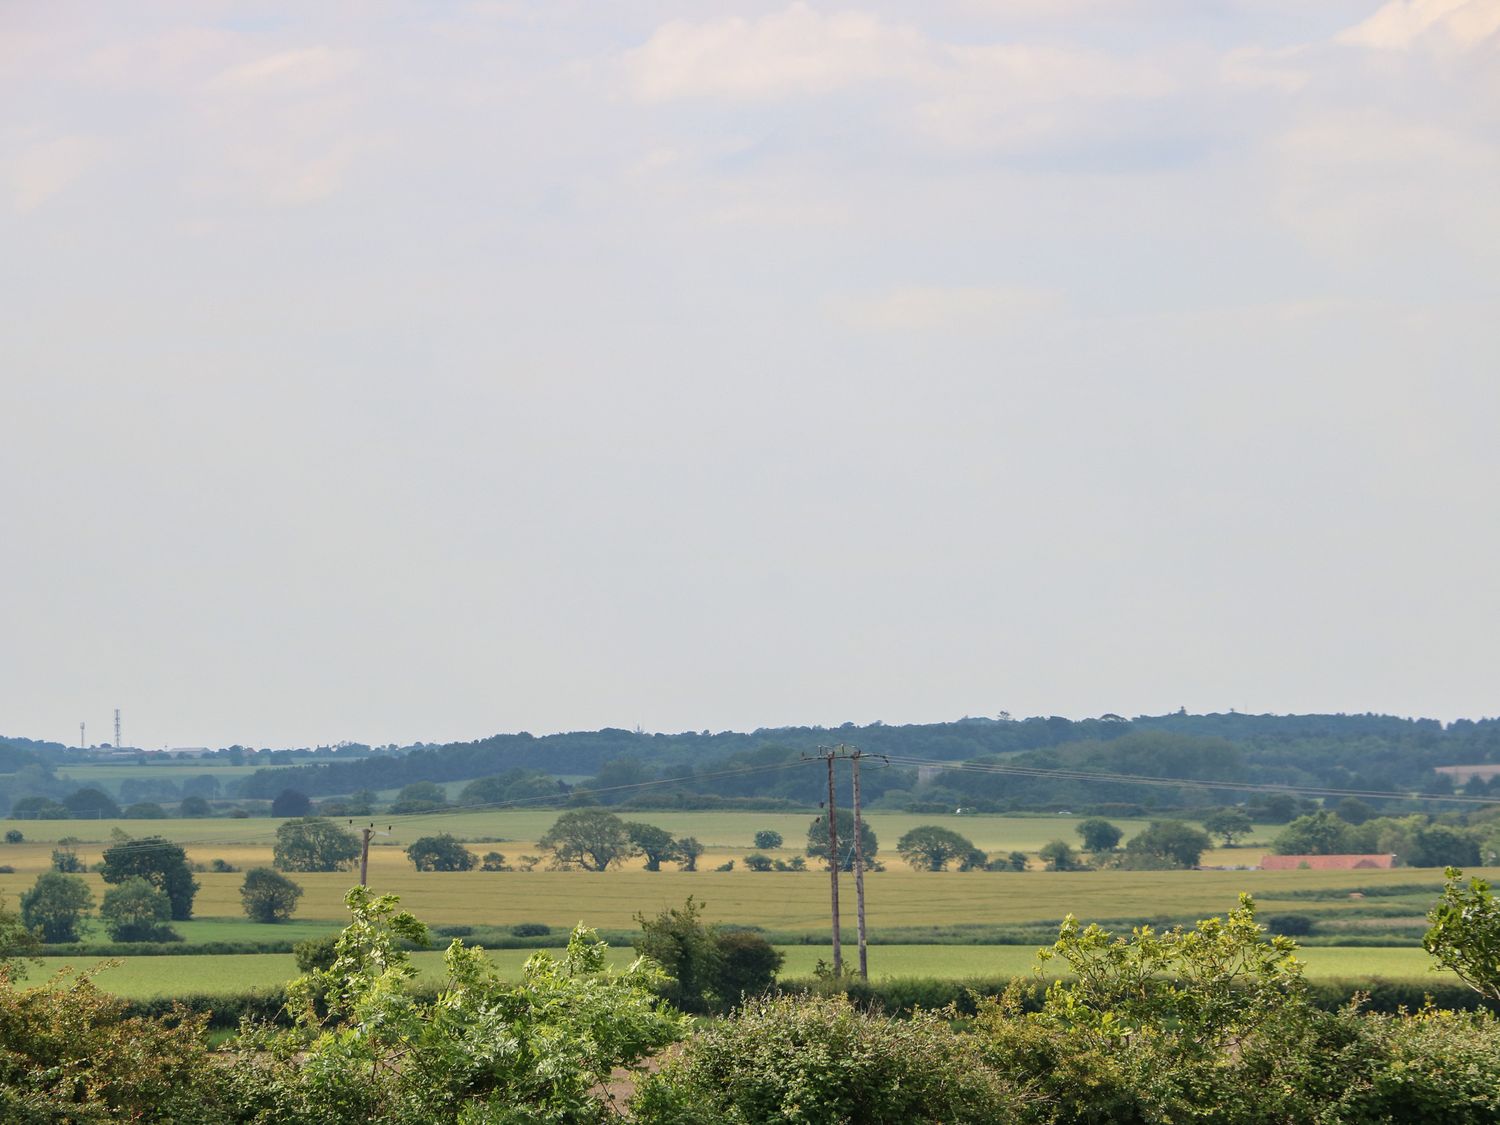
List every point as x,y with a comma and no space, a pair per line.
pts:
364,854
83,743
833,868
117,728
859,868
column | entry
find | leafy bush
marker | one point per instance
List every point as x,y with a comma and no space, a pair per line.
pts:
822,1060
531,929
55,906
268,895
758,862
1292,925
136,911
768,839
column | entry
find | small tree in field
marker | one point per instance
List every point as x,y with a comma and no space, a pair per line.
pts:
768,840
589,838
656,844
1228,824
440,853
688,850
1099,835
1058,856
268,895
136,911
313,843
55,906
929,847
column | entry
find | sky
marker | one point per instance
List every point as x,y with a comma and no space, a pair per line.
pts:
395,372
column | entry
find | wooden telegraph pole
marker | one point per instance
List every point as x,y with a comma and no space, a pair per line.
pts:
364,854
859,869
833,866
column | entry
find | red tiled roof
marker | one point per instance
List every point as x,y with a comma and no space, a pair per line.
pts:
1325,862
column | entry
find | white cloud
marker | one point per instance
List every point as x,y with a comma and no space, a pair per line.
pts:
1401,24
295,69
796,52
934,308
42,171
1259,68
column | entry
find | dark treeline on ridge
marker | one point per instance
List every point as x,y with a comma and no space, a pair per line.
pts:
1367,752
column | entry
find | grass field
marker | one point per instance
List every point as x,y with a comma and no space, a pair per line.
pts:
164,976
108,775
796,901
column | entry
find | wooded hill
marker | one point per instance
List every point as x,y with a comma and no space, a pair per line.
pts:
1375,753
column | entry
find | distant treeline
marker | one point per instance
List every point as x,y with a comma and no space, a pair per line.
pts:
1367,752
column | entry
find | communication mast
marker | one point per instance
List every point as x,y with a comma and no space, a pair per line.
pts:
83,743
117,728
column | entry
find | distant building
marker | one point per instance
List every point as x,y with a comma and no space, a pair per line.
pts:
1326,862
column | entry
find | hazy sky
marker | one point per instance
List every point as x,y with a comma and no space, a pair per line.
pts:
391,372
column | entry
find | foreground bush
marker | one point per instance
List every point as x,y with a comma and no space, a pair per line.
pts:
822,1060
73,1055
366,1048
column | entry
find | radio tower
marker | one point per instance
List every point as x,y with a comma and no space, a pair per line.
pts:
117,728
82,742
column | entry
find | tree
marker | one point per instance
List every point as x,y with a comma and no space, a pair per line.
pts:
91,804
66,860
194,807
589,838
440,853
1058,856
56,905
161,863
1172,843
688,851
494,861
420,796
656,844
136,911
817,839
1464,934
14,836
313,843
38,808
1099,835
290,802
1441,845
1355,811
1319,833
929,847
1227,824
268,895
144,810
748,964
768,839
757,862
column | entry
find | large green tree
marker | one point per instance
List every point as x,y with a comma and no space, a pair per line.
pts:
930,847
589,838
817,839
161,863
313,843
268,895
440,853
1228,824
1099,835
1319,833
56,906
1167,843
656,844
137,911
1465,933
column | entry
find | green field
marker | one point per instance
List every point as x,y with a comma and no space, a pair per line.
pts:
171,975
904,903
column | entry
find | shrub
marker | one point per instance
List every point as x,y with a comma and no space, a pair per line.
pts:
14,836
440,853
56,905
494,861
1292,925
758,862
768,839
66,860
223,866
268,895
819,1059
136,911
314,954
727,865
531,929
